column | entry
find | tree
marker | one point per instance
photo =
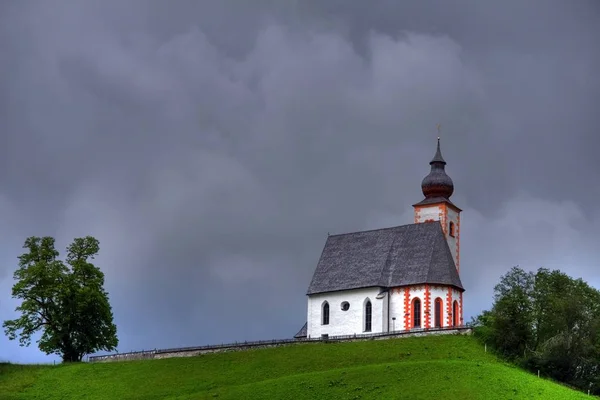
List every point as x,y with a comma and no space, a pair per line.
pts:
512,313
65,300
547,322
567,340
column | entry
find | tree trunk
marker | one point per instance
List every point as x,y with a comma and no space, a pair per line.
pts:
69,353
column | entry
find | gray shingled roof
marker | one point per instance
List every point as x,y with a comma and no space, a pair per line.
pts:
398,256
302,332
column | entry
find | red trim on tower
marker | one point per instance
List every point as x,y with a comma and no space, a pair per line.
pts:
444,218
407,321
458,243
449,307
417,215
427,300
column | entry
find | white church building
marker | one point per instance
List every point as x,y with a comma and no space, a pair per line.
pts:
392,279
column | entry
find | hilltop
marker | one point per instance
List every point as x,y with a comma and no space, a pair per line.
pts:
413,368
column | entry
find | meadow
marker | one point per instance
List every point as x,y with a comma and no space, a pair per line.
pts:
449,366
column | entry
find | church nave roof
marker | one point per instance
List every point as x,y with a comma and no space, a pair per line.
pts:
390,257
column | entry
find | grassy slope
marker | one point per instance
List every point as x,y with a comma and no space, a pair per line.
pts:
412,368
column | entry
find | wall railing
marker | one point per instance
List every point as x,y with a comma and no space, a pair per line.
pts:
273,342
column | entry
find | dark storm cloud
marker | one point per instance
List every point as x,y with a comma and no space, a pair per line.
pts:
210,146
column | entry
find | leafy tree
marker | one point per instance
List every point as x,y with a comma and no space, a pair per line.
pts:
546,321
512,313
65,300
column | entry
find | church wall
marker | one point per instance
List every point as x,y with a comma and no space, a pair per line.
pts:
397,309
346,322
400,304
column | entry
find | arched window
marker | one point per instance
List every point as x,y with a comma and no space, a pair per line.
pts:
368,315
455,314
438,313
451,229
416,313
325,313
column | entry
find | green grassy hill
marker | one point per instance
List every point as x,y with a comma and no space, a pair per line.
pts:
412,368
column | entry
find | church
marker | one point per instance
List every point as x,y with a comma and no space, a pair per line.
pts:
392,279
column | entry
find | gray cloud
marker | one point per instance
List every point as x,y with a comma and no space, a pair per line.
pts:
210,148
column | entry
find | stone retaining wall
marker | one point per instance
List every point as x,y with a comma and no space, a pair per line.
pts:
195,351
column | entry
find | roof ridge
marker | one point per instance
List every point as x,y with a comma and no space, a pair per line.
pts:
380,229
387,259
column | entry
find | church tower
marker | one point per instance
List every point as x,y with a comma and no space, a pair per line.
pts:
436,206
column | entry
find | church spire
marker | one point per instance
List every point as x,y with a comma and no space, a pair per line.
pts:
436,206
438,155
437,183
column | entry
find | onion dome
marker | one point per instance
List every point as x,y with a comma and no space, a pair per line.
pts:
437,183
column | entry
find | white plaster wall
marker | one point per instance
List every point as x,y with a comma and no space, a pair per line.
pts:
346,322
397,309
428,212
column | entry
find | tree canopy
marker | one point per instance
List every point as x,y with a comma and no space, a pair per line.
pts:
546,321
66,300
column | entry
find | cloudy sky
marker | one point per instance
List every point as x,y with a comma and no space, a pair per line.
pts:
210,146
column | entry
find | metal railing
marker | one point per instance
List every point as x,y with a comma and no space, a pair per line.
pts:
272,342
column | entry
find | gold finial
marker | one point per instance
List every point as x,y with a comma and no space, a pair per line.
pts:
438,127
